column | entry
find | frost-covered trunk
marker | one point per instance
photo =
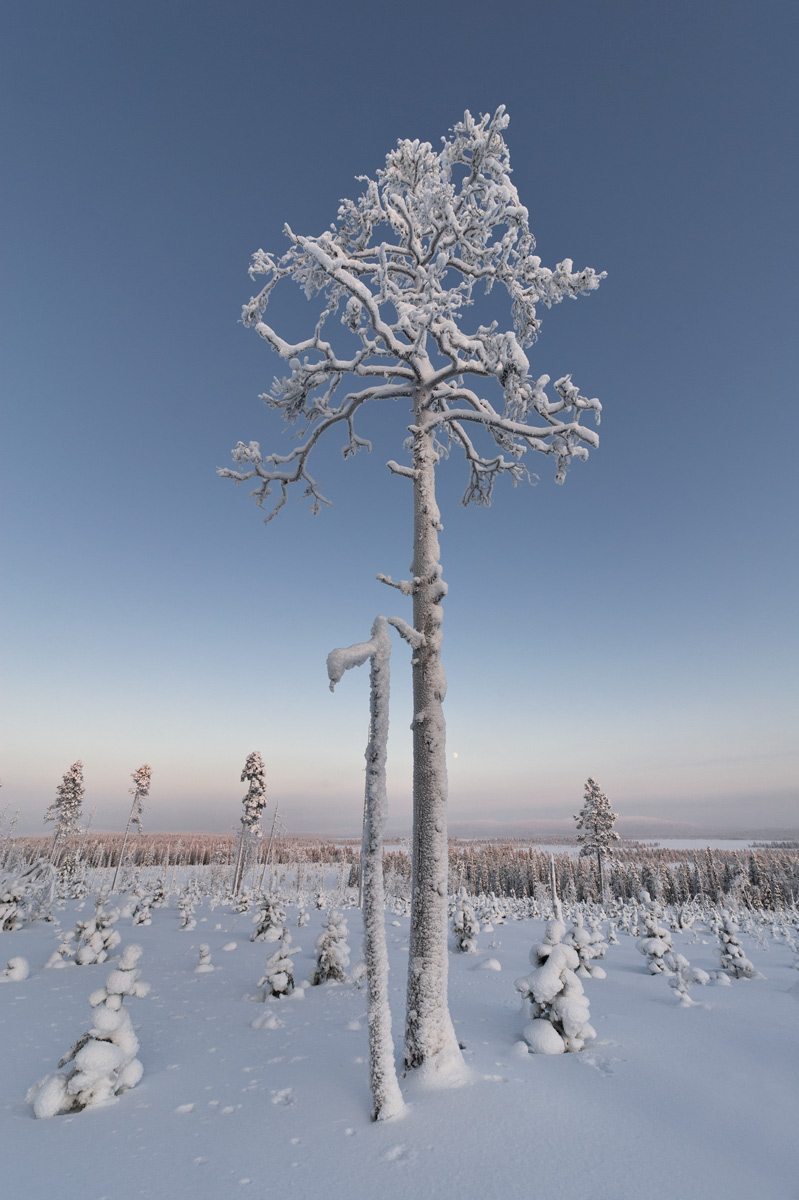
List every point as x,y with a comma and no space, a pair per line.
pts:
386,1095
241,858
429,1035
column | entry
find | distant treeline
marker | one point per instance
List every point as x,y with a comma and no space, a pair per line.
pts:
764,877
181,849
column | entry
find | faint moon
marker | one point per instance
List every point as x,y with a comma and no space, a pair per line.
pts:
454,753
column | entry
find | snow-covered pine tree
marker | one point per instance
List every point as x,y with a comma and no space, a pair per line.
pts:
269,920
595,821
553,997
656,941
104,1059
141,789
465,925
66,808
581,940
278,977
254,774
683,976
332,951
401,265
733,960
96,938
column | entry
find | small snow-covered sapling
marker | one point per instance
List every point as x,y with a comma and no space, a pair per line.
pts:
205,963
733,960
17,970
656,942
584,942
278,978
465,925
96,938
554,998
268,921
104,1059
683,976
332,951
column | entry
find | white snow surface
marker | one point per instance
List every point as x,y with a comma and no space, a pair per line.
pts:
711,1091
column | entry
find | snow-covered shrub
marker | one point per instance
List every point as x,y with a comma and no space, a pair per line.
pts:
104,1059
585,943
554,998
17,970
278,977
733,960
27,896
598,941
683,976
205,963
186,910
268,921
303,917
465,925
95,937
63,953
12,911
141,913
656,942
332,951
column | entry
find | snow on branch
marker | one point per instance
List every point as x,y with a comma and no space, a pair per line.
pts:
399,268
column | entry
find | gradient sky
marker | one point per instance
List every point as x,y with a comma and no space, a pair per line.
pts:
637,624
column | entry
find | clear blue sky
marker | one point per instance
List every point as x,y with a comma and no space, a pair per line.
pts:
637,624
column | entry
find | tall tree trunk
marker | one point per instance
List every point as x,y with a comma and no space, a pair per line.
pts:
386,1096
429,1035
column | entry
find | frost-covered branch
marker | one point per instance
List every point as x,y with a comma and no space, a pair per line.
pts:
399,268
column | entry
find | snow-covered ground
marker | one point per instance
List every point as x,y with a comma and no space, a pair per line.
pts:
668,1102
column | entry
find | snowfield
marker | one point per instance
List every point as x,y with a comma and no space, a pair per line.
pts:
668,1101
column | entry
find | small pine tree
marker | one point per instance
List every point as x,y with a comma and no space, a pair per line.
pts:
278,977
554,998
95,937
683,976
587,947
66,808
268,921
733,960
465,925
332,951
656,942
104,1059
595,820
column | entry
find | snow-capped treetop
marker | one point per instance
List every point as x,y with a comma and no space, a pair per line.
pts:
66,808
401,265
140,790
254,802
